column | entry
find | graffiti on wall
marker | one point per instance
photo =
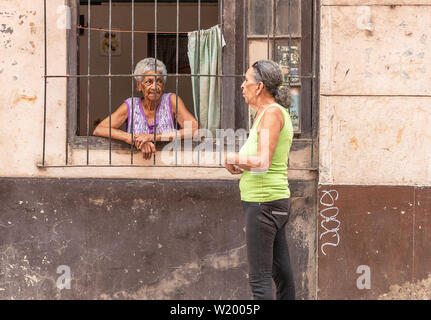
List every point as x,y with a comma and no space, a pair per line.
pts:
329,223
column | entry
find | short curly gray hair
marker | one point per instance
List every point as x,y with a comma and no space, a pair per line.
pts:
149,64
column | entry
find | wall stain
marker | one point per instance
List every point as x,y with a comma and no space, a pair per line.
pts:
400,135
354,142
5,29
32,28
420,290
24,97
184,276
6,14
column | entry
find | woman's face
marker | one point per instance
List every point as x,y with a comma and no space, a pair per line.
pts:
149,85
249,87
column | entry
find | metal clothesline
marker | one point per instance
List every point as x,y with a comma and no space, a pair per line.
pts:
135,31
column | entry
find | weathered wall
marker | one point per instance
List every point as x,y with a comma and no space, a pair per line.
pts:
136,239
22,101
22,104
374,170
116,230
375,95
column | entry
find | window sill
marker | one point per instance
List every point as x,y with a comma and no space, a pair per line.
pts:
102,143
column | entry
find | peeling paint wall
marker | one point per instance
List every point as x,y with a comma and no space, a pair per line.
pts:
135,239
123,235
375,93
374,160
21,76
22,104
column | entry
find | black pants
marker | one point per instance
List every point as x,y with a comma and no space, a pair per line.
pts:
267,251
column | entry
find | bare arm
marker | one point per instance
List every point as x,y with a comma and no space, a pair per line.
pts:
269,130
117,119
185,119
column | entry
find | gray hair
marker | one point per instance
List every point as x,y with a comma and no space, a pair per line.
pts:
270,74
148,64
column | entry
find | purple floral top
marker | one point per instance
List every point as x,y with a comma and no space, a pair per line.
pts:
163,117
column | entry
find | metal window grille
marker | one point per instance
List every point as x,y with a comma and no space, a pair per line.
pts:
271,39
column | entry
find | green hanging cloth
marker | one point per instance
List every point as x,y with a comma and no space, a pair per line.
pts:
206,59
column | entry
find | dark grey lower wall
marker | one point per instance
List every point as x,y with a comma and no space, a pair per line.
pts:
135,239
374,242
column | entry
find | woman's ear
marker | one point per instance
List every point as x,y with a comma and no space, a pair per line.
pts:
259,88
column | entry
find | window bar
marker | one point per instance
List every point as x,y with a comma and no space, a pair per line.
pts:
75,83
289,43
274,28
221,139
110,79
188,75
133,83
244,50
268,25
289,59
313,80
88,79
176,81
199,73
150,75
45,85
155,77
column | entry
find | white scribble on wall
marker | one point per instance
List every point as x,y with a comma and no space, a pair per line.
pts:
329,223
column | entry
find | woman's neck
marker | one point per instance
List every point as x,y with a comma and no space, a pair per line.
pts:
149,105
263,102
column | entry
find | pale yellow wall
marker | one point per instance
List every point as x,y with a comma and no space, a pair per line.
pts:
375,105
22,105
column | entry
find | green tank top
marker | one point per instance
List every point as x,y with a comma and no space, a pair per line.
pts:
272,184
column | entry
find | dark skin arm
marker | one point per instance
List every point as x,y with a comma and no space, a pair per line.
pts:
117,119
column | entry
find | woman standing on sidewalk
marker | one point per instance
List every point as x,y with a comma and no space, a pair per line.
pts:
264,187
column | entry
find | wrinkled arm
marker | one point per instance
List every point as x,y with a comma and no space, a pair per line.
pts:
117,119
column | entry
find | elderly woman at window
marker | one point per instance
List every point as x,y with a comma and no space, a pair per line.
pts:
155,110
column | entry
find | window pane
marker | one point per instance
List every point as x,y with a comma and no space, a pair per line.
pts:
258,50
290,65
283,25
259,11
295,108
288,57
166,51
